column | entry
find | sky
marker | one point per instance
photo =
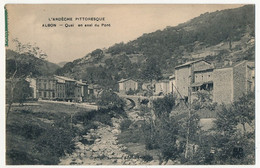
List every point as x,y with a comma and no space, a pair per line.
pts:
123,24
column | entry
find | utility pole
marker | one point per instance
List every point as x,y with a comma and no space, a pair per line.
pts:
188,124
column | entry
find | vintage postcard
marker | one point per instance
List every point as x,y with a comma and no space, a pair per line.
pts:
130,84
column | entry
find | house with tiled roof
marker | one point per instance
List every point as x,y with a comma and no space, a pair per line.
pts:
225,83
127,84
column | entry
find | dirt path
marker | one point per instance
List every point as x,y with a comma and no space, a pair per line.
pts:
104,151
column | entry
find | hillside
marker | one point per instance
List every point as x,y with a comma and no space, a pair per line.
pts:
61,64
218,36
28,64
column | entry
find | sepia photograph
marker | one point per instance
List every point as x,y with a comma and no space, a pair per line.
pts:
130,84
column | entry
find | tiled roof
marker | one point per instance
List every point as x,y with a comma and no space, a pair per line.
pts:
189,63
80,83
64,78
123,80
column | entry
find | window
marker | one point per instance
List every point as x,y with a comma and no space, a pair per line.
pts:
193,89
40,94
44,94
44,85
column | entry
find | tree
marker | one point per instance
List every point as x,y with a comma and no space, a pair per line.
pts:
29,49
151,70
233,146
22,91
163,106
97,55
244,108
162,132
16,73
109,99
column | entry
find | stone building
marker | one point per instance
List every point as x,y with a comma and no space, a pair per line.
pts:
162,87
172,84
45,87
127,84
81,91
185,76
72,89
232,82
69,86
60,90
224,84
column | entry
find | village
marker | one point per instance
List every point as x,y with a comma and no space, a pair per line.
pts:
225,84
179,94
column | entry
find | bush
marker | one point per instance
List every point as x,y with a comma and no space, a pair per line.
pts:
147,158
108,99
131,92
103,118
125,124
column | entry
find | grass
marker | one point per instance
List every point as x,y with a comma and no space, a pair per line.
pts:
54,108
40,134
134,139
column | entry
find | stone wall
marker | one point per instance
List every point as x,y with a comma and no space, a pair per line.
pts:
183,80
240,80
223,85
203,76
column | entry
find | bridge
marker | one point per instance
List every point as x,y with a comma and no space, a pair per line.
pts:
136,100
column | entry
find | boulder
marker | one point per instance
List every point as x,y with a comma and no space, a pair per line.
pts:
87,136
119,161
170,162
116,131
97,140
91,130
95,148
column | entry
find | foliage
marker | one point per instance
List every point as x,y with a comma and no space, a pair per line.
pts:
88,117
164,137
163,106
32,141
23,69
97,55
132,92
244,108
21,92
203,100
151,70
18,69
229,143
109,99
29,49
125,124
147,158
164,49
